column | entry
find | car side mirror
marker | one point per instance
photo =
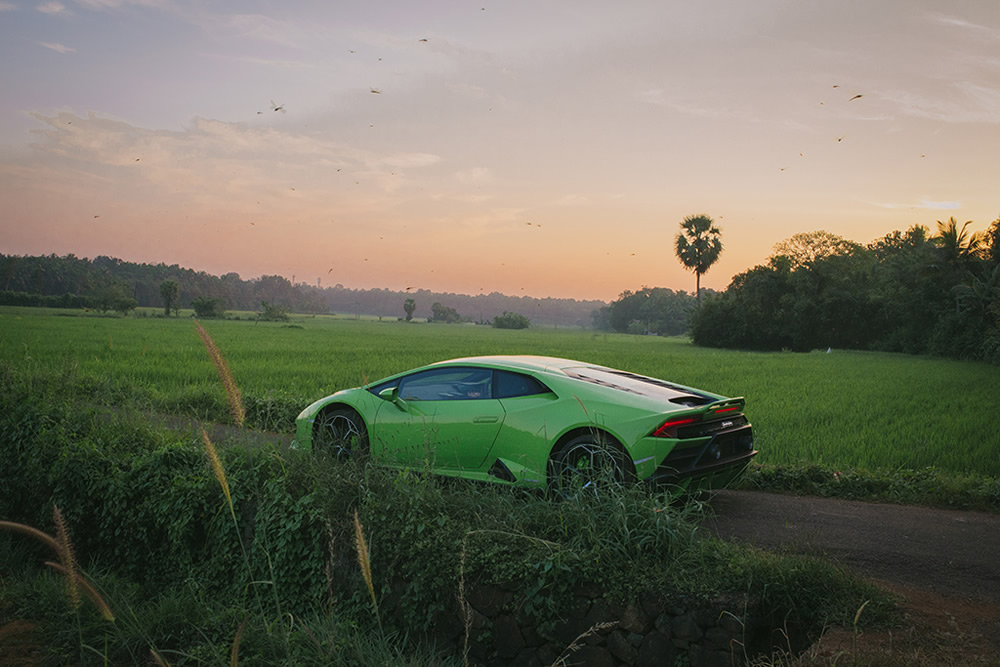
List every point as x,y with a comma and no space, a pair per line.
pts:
391,394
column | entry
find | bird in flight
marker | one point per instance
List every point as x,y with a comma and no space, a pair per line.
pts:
376,91
839,139
423,39
277,107
856,97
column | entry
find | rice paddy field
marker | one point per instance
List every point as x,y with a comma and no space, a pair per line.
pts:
861,410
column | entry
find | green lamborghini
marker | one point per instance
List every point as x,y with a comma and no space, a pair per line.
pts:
536,422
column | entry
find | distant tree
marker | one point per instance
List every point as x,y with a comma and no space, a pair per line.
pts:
409,306
807,247
511,321
444,314
206,307
271,312
168,291
651,310
124,305
698,246
601,318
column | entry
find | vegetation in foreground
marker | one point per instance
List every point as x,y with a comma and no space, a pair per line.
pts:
198,548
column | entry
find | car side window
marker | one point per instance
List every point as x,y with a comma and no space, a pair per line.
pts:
507,384
447,384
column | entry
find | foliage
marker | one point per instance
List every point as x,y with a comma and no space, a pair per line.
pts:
81,278
651,310
805,248
285,563
444,314
8,298
906,292
168,292
698,246
272,312
511,321
207,307
408,307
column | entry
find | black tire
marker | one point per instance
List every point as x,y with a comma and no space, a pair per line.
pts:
590,462
341,432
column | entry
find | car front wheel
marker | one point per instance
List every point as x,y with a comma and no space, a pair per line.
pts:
341,432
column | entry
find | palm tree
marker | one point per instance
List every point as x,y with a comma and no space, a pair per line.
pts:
957,248
698,246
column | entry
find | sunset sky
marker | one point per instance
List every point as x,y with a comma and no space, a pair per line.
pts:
537,147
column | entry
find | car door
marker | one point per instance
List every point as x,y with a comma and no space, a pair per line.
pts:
443,415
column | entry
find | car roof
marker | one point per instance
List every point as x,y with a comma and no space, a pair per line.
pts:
524,362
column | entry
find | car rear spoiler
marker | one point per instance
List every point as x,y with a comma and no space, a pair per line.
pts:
725,406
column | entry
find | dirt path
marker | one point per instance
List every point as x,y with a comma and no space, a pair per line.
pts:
945,564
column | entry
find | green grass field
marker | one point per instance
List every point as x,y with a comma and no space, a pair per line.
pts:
843,409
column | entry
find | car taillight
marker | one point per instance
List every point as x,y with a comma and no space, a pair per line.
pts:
722,411
669,428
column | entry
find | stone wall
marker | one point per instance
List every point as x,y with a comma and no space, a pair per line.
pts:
651,631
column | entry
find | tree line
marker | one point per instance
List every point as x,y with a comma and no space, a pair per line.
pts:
110,284
910,292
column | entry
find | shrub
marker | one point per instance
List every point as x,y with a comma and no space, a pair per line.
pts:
205,307
511,321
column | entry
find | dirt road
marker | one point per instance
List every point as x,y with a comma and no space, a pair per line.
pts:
944,565
947,552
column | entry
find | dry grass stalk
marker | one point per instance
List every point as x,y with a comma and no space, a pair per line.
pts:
364,561
44,538
577,643
463,603
225,375
60,549
220,472
89,591
158,659
234,654
66,556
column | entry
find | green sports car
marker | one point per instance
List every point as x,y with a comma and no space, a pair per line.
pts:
536,422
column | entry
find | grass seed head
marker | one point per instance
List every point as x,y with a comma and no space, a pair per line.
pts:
216,463
225,375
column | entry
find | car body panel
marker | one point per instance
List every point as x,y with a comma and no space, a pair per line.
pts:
445,415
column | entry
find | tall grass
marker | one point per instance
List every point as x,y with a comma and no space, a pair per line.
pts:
63,547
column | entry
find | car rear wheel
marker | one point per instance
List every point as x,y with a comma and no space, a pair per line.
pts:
591,462
341,432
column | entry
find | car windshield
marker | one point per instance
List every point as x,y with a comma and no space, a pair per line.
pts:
637,384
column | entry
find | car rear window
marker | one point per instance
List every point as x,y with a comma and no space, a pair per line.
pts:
507,384
637,384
